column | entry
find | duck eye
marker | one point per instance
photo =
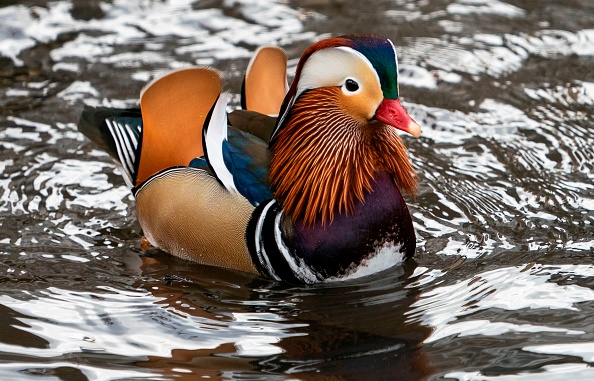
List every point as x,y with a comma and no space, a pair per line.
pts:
351,85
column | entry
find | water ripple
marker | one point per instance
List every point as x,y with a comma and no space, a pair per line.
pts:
90,319
464,7
125,22
577,372
500,287
496,55
450,309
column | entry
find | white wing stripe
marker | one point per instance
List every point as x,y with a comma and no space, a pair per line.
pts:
260,251
132,135
301,270
125,154
129,150
216,134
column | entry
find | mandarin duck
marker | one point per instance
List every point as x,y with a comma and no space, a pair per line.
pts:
303,184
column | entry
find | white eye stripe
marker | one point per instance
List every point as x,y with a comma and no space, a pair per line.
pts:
332,67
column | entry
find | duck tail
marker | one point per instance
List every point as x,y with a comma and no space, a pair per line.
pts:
119,133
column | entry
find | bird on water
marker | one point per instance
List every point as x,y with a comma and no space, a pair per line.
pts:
303,184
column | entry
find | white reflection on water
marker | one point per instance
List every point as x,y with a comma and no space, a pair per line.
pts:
574,372
494,55
137,324
511,172
583,350
448,309
581,93
492,120
11,24
507,177
133,22
78,90
8,370
495,7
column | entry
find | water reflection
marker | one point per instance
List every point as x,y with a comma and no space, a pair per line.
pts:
198,322
502,283
303,331
509,289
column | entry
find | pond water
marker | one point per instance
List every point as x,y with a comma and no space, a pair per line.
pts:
502,284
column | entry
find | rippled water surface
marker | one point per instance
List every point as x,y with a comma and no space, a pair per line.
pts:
502,285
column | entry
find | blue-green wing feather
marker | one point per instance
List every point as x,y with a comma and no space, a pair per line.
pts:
238,159
247,158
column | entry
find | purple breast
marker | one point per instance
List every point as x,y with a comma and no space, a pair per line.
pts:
350,238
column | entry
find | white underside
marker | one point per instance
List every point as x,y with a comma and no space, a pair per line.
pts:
384,257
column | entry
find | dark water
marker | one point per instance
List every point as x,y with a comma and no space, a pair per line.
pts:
501,288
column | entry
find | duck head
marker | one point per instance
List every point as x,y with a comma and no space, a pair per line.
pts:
337,129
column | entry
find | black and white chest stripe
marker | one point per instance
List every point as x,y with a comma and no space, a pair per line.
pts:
269,250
